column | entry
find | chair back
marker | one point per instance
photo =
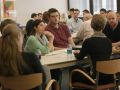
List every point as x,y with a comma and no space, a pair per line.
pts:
78,84
21,82
108,66
52,85
84,74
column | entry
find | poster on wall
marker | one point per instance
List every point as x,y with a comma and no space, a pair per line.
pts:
0,10
8,9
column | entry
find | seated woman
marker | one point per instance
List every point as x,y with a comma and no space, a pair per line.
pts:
13,61
38,42
99,47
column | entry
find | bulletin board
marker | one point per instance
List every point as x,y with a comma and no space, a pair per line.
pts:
8,10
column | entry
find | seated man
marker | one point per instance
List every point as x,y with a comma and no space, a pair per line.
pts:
29,24
84,32
62,36
74,22
112,28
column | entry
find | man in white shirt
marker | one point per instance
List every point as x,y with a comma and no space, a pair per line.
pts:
74,23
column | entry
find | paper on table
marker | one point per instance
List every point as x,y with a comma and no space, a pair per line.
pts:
77,46
57,52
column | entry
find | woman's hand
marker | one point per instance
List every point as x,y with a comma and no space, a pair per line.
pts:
76,51
49,35
116,49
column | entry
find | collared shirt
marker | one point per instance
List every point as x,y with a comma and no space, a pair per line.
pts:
74,25
98,34
61,35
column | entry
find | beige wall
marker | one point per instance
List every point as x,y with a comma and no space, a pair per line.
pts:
24,8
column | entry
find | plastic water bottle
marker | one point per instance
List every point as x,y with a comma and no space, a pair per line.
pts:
69,52
38,53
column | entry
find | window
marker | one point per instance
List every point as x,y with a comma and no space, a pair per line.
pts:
79,4
97,5
7,9
107,4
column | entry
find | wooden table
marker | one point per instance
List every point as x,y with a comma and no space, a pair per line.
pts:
58,59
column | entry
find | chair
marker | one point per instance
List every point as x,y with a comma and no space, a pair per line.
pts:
81,85
106,67
21,82
52,85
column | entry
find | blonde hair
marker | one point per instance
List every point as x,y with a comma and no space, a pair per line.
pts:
10,57
6,22
98,22
87,16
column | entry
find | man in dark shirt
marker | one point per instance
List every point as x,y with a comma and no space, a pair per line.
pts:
71,11
103,12
29,25
112,28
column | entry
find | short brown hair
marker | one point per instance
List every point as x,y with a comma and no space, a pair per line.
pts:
72,9
98,22
86,11
77,10
52,10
